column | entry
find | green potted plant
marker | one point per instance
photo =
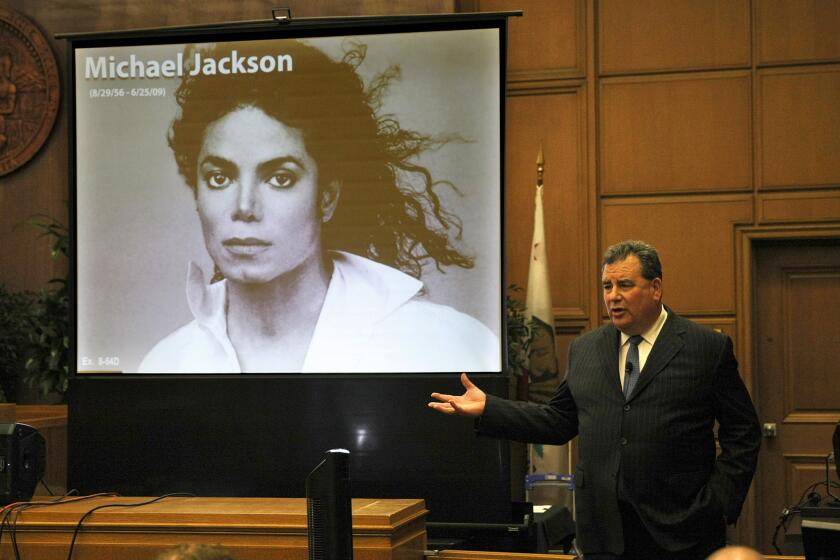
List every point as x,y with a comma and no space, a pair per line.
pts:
47,366
15,323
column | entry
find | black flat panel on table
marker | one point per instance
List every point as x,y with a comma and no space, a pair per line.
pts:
261,436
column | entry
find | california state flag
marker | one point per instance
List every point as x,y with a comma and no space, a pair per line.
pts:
542,359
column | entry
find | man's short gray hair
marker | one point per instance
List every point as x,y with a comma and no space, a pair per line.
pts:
645,252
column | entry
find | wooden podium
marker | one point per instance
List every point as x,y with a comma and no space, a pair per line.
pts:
250,528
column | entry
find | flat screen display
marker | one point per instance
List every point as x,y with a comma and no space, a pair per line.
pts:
289,205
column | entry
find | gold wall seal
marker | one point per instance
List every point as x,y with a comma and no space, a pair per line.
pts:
29,90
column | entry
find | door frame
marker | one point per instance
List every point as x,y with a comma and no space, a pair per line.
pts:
745,241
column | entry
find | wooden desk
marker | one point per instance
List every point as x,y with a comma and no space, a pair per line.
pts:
250,528
7,412
478,555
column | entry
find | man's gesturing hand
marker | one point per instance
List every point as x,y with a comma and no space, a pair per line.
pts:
471,403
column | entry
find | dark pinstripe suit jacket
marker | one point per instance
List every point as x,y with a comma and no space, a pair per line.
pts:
659,445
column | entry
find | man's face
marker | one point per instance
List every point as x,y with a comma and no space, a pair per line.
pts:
258,200
633,302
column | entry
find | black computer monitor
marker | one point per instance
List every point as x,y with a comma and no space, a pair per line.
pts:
821,538
328,511
22,461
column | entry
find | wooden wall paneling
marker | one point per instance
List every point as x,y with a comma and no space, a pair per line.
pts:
678,133
105,15
798,129
725,325
548,41
557,120
802,471
593,116
564,334
374,7
746,239
37,188
810,373
694,236
801,31
793,280
807,206
662,35
750,516
795,473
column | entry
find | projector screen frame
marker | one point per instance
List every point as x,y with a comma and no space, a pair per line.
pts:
298,28
118,421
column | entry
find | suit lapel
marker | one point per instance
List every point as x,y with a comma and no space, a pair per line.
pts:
608,351
668,343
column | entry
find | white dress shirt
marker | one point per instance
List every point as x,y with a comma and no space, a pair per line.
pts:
645,346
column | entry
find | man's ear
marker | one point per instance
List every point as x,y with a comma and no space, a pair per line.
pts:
657,288
329,200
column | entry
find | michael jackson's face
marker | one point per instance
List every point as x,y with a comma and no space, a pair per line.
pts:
258,198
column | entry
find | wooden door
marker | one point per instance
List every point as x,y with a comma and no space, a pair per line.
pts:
797,377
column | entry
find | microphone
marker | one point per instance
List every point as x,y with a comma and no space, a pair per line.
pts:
628,368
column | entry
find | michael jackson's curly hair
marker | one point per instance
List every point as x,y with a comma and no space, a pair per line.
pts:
388,209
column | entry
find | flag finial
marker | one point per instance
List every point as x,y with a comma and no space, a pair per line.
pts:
540,166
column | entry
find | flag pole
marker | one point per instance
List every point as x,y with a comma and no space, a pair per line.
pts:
543,368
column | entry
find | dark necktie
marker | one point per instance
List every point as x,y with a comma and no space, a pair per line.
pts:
631,366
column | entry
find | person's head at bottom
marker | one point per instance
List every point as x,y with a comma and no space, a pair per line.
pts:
735,553
195,552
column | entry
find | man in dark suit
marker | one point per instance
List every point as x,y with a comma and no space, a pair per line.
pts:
643,394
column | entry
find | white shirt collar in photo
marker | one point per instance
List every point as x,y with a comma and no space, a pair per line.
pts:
361,293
